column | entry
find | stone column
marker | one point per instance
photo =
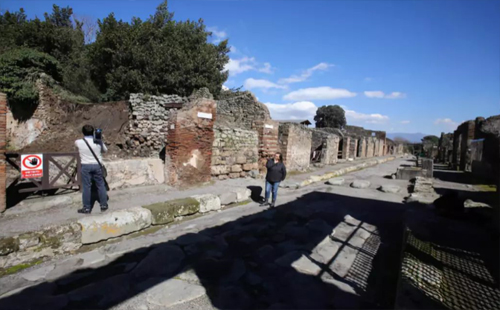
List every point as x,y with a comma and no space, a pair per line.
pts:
3,144
190,137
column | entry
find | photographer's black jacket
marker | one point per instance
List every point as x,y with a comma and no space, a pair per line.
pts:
275,172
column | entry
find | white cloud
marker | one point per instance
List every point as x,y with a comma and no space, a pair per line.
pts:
224,87
289,111
265,84
218,35
305,74
237,66
267,68
233,49
405,122
357,118
318,93
447,123
380,94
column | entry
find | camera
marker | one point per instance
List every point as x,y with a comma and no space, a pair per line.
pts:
98,136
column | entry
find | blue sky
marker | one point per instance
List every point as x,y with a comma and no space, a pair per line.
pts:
400,66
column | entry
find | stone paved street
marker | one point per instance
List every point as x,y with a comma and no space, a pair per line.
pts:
323,246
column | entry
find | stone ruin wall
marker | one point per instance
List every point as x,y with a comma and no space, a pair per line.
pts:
295,144
148,122
328,143
241,110
234,153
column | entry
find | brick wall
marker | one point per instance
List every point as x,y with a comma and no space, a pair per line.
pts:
234,153
3,143
190,139
267,133
295,144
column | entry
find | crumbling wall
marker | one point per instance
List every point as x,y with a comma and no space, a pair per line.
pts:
267,133
234,153
148,122
461,141
295,144
3,144
445,148
240,110
326,143
188,153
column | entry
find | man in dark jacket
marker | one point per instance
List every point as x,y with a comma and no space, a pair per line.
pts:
276,172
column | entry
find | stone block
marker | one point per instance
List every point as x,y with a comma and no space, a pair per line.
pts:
174,292
360,184
166,212
241,160
234,175
336,181
217,170
208,202
390,189
228,198
114,224
243,194
248,167
236,168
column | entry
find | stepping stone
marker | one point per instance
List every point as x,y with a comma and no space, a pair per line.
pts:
173,292
360,184
390,189
336,181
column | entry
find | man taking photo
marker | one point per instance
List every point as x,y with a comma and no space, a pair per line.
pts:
91,150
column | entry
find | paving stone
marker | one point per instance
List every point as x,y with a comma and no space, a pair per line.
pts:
220,270
173,292
393,189
336,181
299,262
344,261
343,231
351,220
64,268
232,298
189,276
103,293
252,279
290,246
320,226
294,231
191,238
360,184
328,278
325,250
161,261
37,274
265,254
473,204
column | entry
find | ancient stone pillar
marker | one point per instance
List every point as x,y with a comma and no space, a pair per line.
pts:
190,137
267,132
3,143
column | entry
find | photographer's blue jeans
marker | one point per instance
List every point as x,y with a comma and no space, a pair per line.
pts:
89,173
272,187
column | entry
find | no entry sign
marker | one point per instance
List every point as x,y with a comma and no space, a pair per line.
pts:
31,166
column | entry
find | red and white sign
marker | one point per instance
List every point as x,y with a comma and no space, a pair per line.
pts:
31,166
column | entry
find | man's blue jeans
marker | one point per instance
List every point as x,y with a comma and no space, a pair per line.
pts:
93,173
272,187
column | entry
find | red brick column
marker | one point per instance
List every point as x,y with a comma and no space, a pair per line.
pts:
190,137
3,144
267,132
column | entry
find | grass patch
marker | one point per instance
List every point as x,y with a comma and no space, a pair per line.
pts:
17,268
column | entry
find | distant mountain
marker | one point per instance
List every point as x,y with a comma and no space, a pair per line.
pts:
412,137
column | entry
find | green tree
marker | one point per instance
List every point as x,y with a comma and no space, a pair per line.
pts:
332,116
158,55
430,139
19,70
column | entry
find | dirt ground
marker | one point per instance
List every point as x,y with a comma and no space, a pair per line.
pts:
66,120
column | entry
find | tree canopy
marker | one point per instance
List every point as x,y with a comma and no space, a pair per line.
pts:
430,139
154,56
332,116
